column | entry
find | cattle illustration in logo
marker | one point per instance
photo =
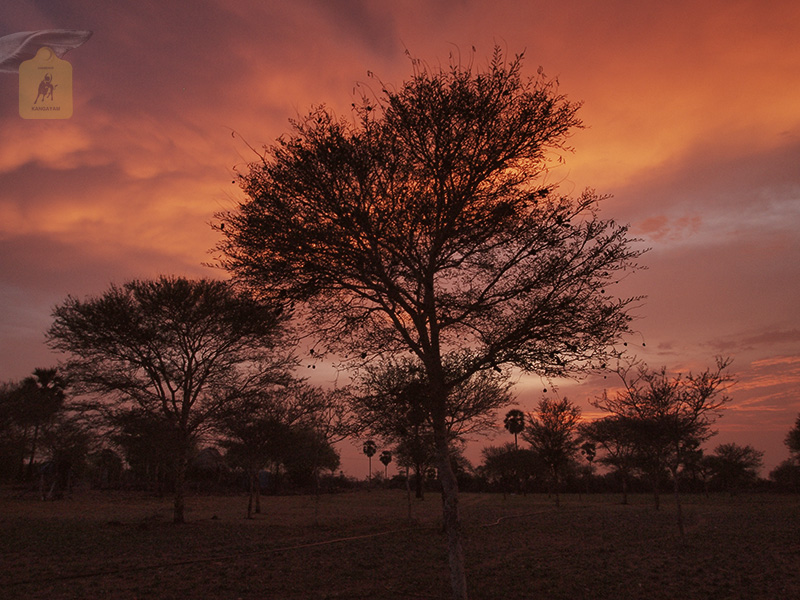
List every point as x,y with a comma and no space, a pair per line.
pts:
46,88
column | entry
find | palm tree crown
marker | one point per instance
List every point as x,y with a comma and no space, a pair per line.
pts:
514,422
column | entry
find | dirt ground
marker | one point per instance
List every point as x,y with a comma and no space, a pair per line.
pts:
363,545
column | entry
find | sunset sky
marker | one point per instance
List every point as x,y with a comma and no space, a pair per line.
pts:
692,114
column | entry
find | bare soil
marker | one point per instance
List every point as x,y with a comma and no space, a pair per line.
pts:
123,545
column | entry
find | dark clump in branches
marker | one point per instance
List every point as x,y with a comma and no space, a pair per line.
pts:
425,225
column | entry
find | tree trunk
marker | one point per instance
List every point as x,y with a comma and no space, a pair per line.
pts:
180,484
447,477
678,507
420,494
316,496
408,493
555,485
452,524
656,497
33,451
257,491
625,488
23,450
252,492
159,483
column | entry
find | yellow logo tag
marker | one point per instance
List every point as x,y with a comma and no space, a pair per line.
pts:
45,87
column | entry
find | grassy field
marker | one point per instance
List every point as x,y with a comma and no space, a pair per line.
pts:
124,545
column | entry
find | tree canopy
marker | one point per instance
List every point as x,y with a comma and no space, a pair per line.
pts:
173,347
514,422
733,466
667,415
426,225
551,433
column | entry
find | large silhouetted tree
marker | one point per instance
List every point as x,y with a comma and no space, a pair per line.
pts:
172,347
426,225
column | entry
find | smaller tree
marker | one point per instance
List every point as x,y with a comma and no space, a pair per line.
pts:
149,446
370,448
37,400
66,443
258,428
307,452
12,434
416,452
176,349
551,434
105,468
588,452
508,467
386,458
514,423
786,476
695,465
734,467
793,440
392,402
616,440
668,414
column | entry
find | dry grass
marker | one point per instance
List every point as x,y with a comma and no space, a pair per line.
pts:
123,545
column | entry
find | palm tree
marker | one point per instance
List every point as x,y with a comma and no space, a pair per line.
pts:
386,458
370,448
514,423
39,398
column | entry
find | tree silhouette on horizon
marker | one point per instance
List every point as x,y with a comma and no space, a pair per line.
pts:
514,422
370,448
666,414
551,433
176,349
426,225
386,458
